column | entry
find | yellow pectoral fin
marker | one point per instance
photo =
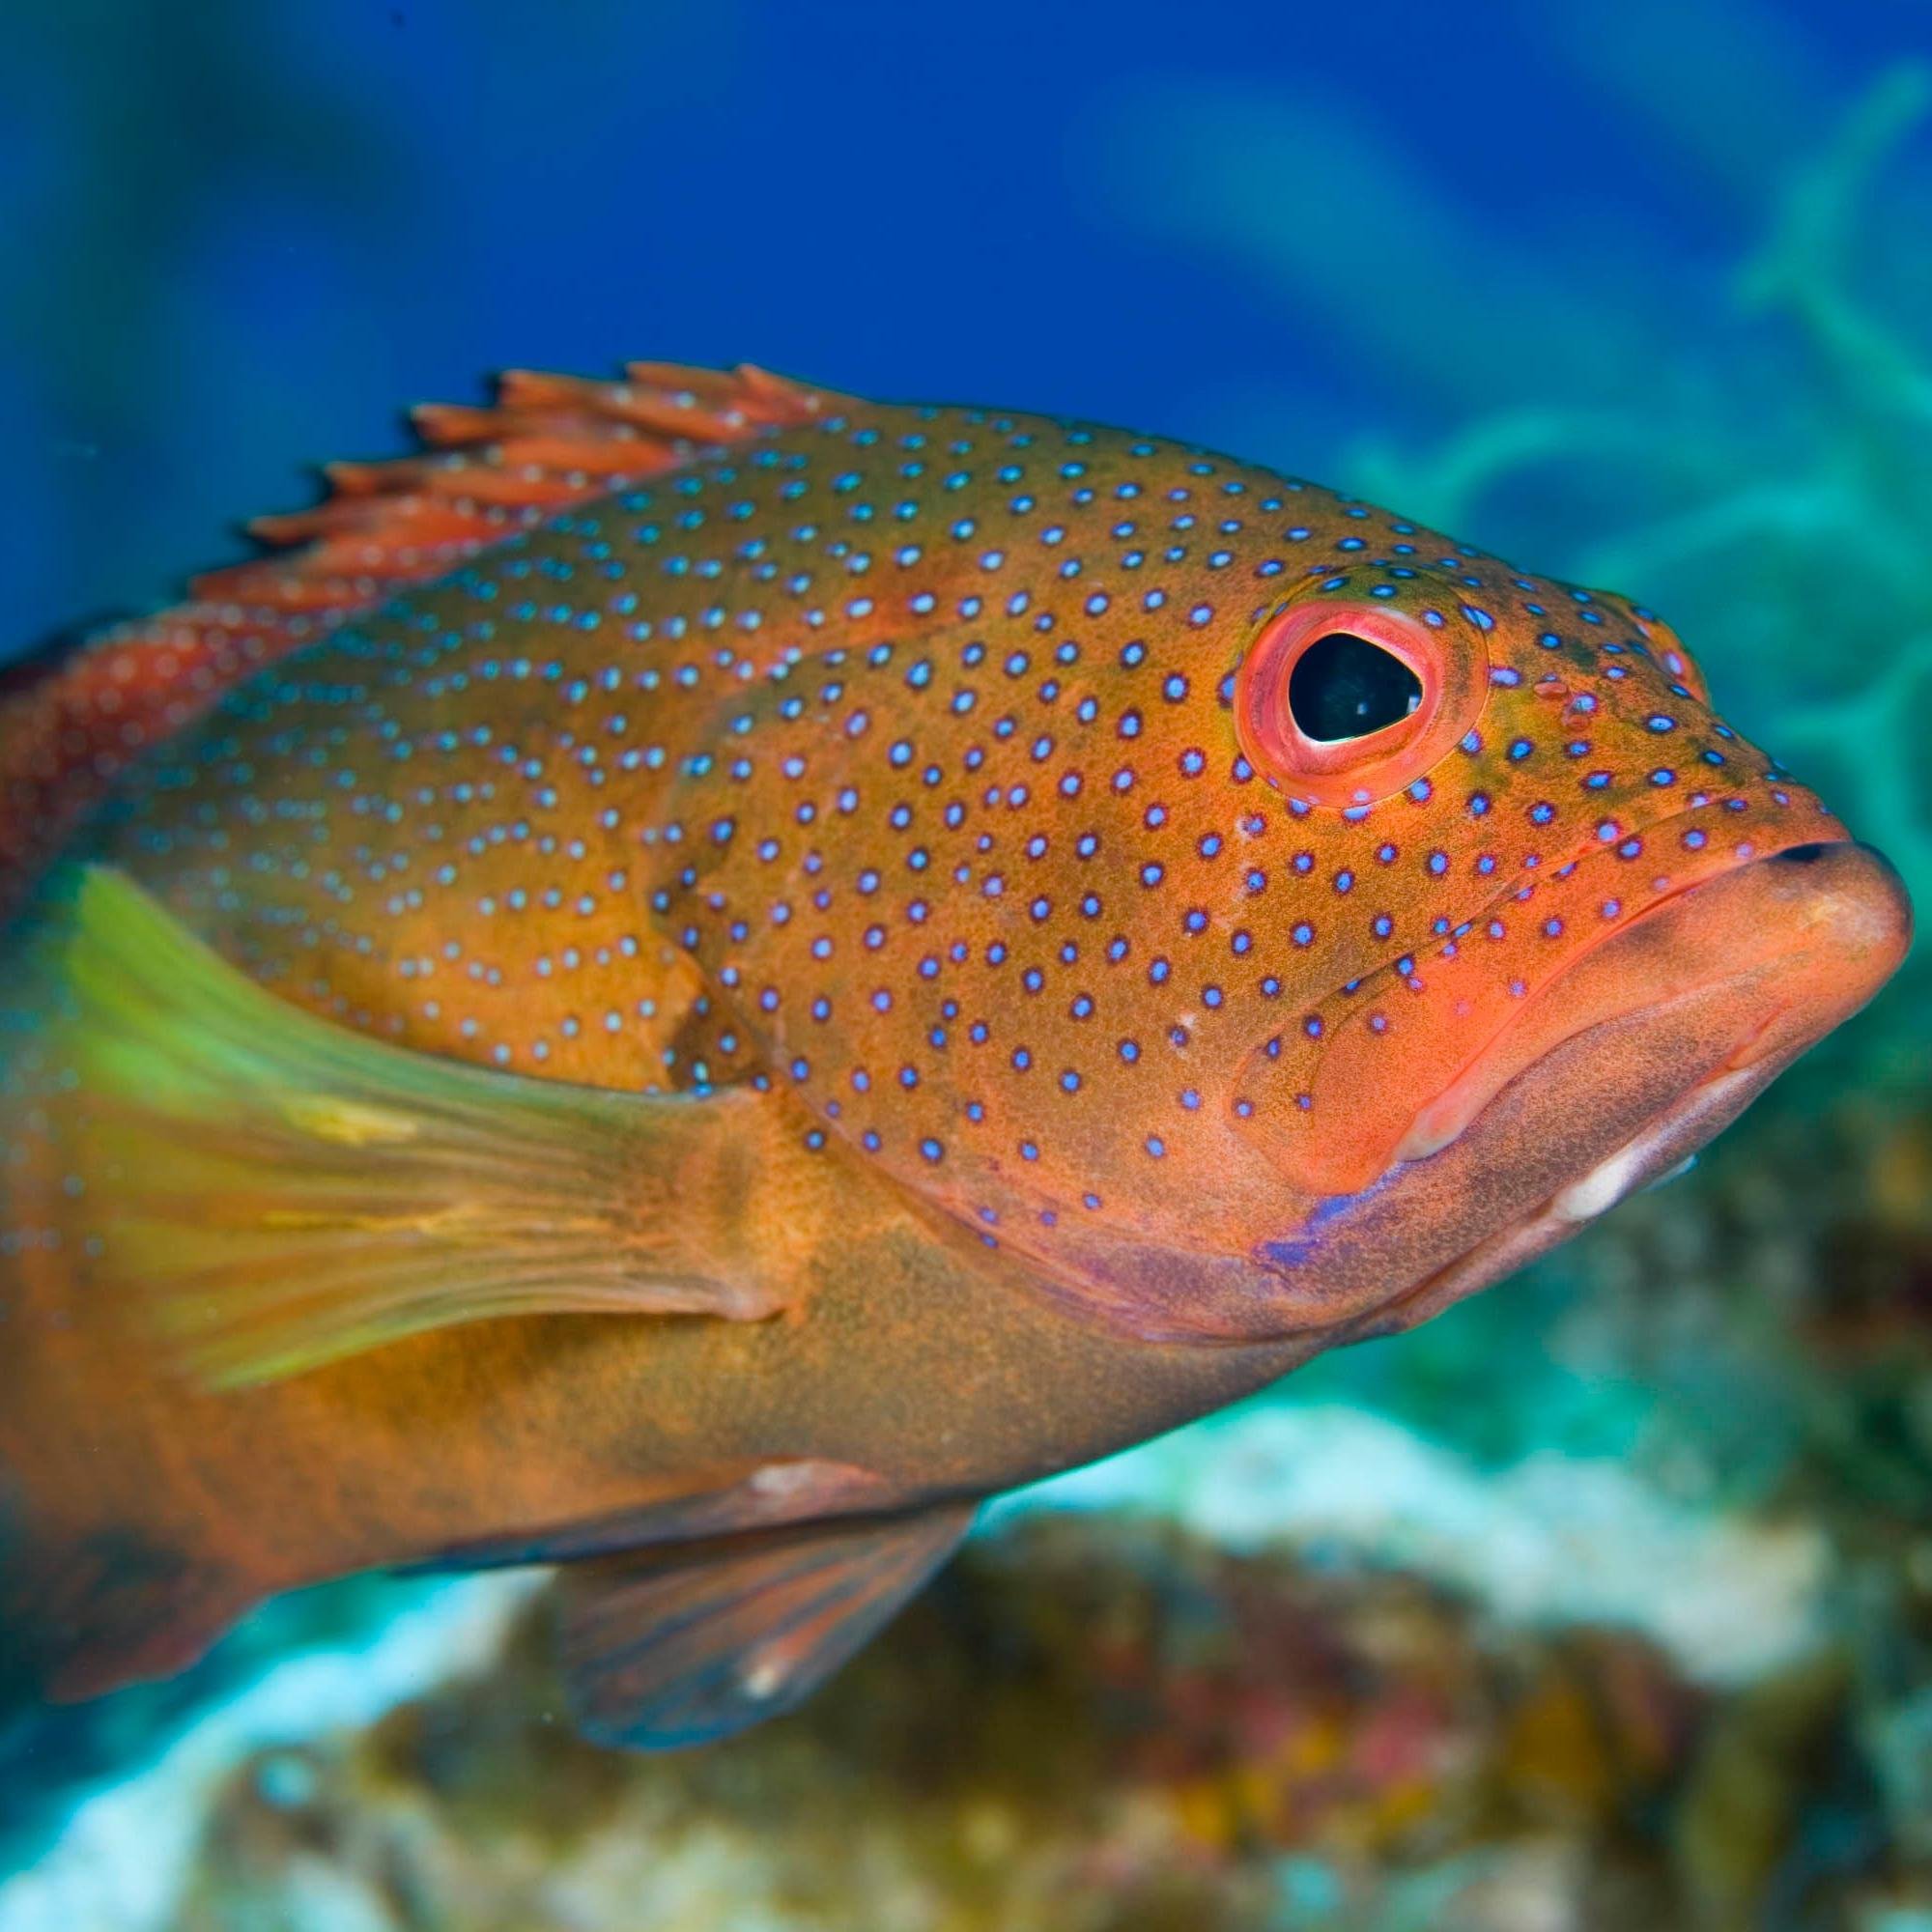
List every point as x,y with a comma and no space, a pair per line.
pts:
282,1191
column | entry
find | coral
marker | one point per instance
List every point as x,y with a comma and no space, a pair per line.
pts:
1099,1724
1088,1724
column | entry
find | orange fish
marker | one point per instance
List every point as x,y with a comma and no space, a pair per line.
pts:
702,975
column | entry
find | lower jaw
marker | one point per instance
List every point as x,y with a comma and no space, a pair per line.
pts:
1657,1150
1751,966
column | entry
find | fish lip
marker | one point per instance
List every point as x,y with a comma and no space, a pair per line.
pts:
1427,1135
1585,847
1876,915
1344,1156
1422,1141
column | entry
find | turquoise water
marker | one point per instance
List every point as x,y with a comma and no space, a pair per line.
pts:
1626,1565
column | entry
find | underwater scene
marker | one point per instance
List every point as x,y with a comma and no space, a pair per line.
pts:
1600,1599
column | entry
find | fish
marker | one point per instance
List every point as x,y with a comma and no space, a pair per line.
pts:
700,974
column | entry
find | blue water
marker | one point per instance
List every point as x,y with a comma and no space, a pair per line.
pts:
1638,292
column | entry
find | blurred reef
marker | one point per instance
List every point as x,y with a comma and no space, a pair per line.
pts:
1603,1601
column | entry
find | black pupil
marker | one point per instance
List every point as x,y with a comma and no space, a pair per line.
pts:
1345,687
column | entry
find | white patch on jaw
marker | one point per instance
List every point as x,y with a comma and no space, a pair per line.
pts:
1603,1187
762,1677
782,1479
1677,1173
1606,1184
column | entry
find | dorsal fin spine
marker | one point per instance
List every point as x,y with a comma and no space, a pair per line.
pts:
69,722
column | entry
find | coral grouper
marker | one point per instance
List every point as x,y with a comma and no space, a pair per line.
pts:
695,978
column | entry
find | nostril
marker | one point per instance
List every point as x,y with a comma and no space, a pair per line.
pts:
1803,855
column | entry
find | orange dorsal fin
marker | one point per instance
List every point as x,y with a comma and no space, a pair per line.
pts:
70,720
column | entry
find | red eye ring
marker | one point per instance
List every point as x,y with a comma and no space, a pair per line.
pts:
1448,658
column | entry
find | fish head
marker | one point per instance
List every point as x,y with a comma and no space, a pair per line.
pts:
1559,922
1251,910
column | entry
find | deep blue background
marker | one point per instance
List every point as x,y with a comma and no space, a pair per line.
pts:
238,236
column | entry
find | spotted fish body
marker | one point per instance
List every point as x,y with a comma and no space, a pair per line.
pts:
879,852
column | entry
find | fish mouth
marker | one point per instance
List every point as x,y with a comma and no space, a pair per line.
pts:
1806,933
1633,1056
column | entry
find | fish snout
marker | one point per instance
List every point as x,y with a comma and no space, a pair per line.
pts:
1848,892
1837,921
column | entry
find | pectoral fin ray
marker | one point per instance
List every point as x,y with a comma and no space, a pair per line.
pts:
287,1191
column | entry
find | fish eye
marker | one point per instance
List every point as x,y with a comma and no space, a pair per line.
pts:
1341,702
1345,687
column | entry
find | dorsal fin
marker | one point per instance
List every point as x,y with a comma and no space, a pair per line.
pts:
70,720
